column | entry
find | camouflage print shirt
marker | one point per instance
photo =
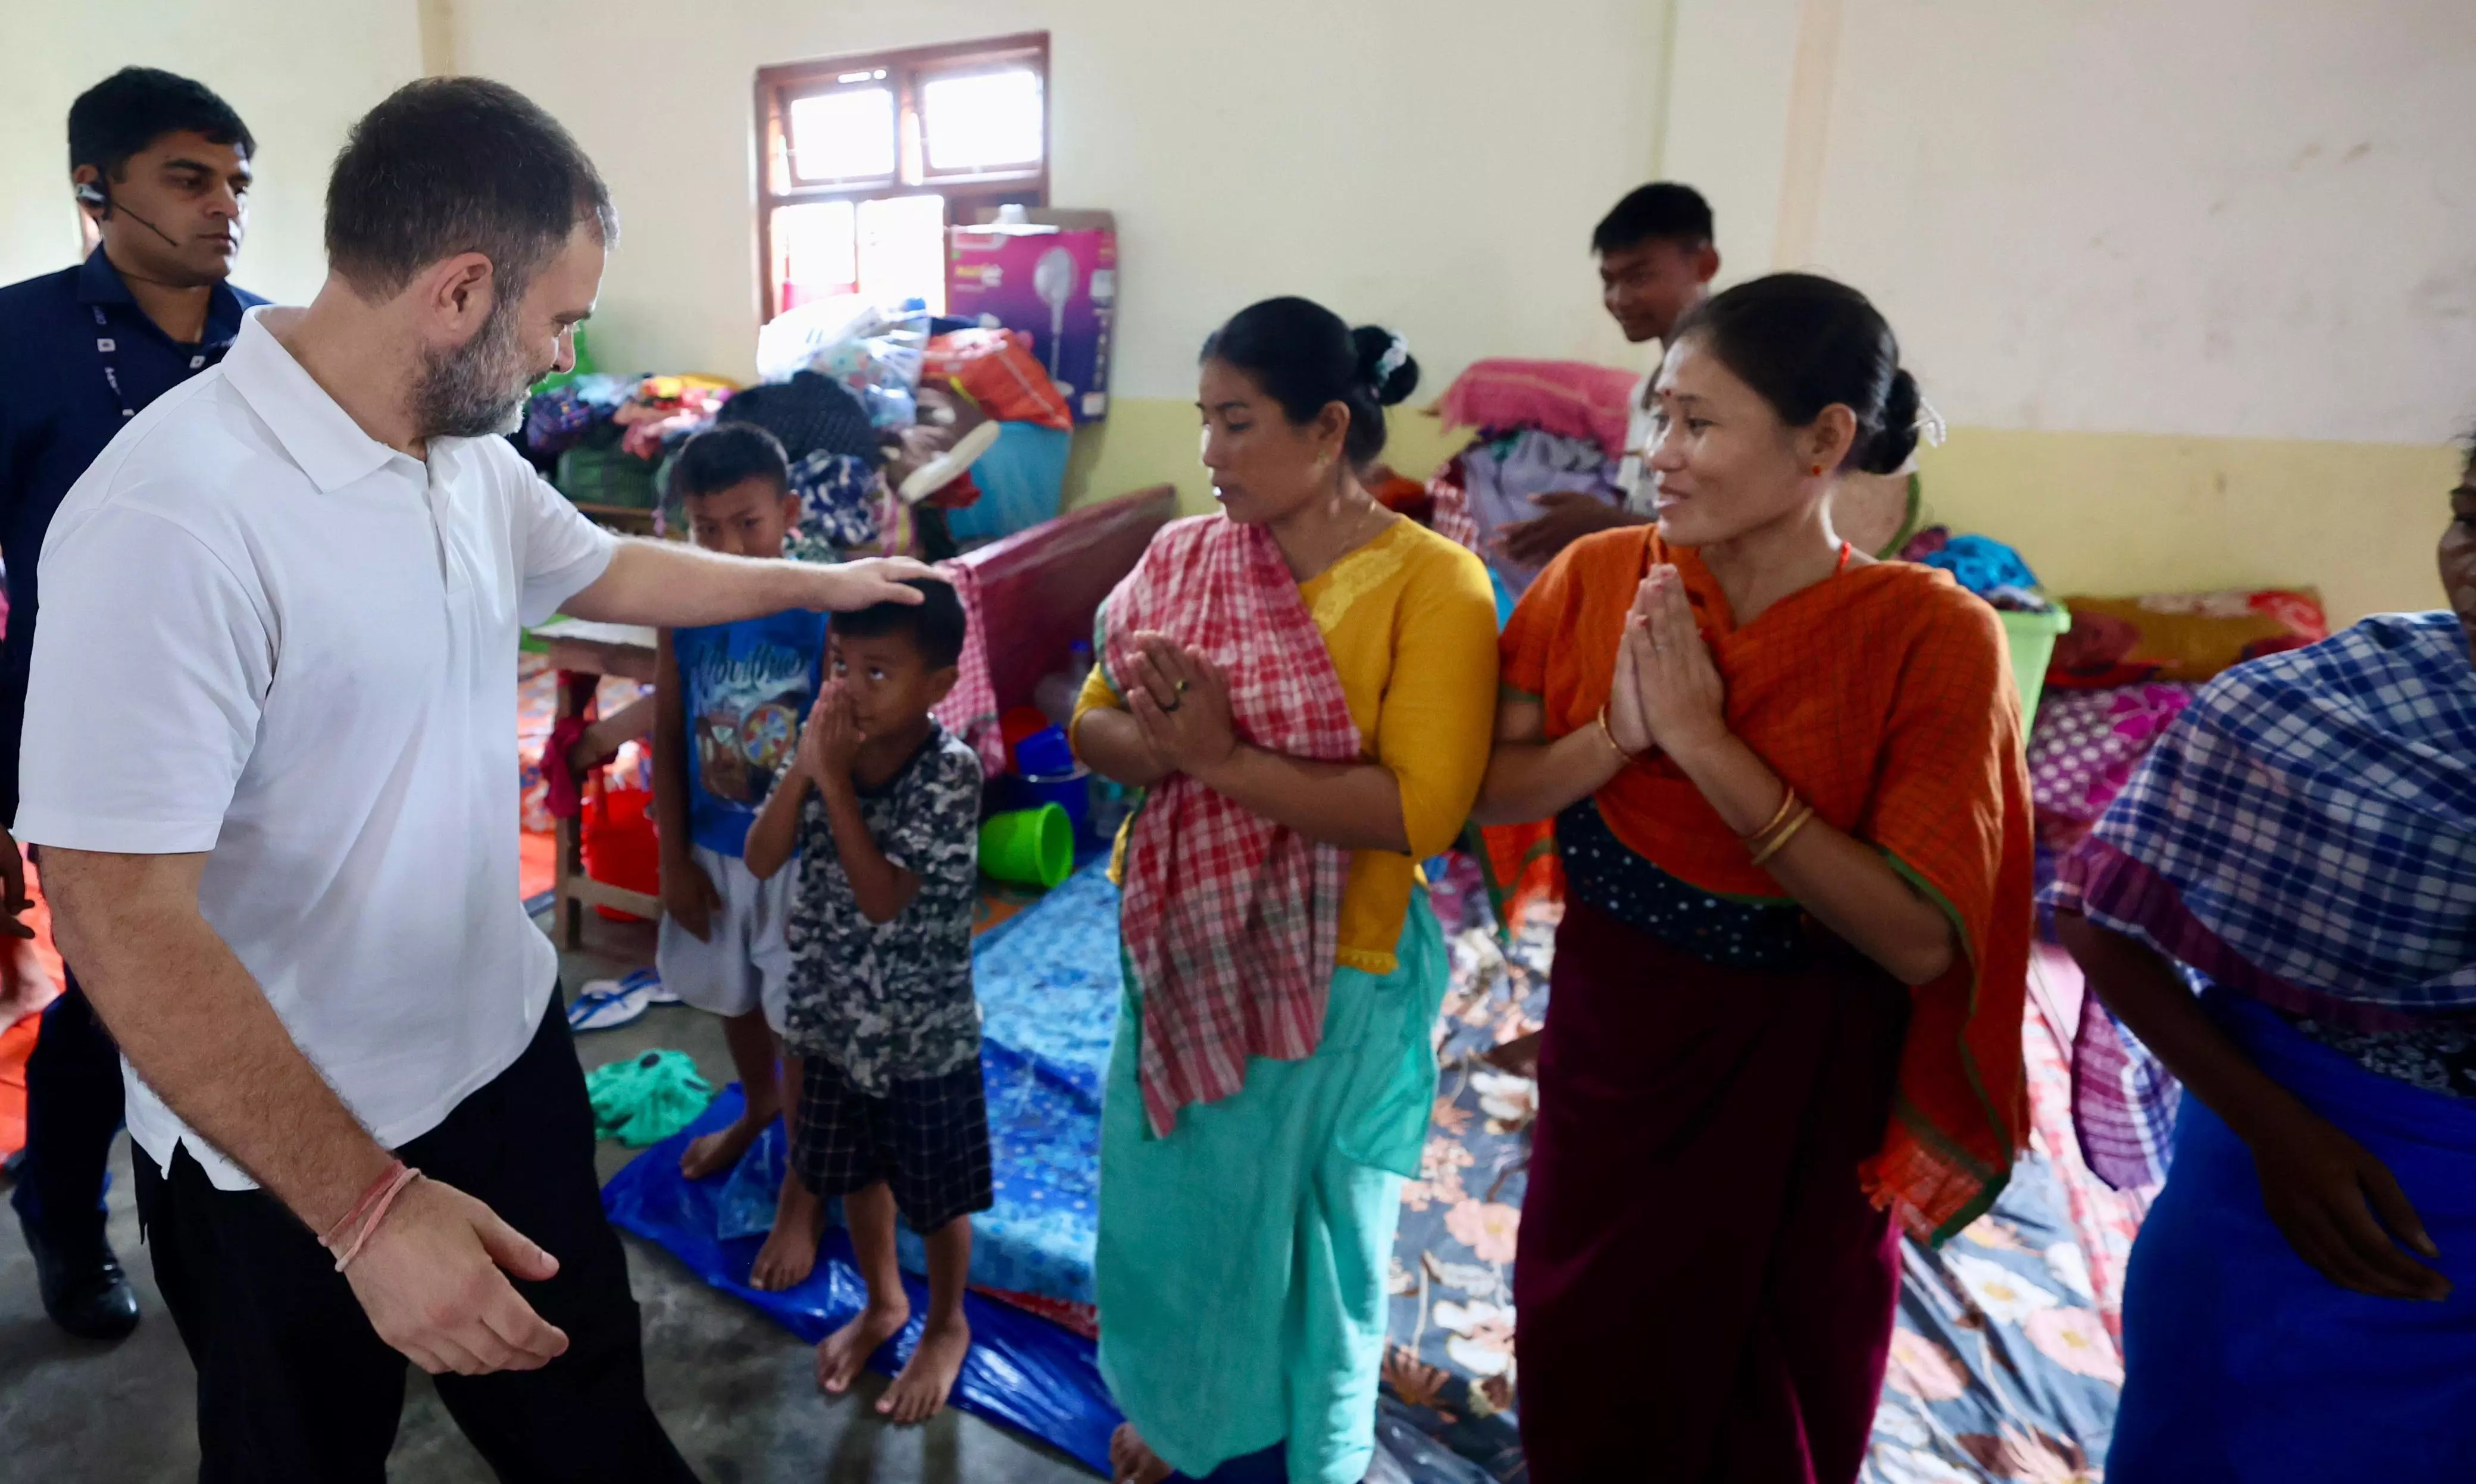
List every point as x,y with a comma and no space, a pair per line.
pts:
892,1001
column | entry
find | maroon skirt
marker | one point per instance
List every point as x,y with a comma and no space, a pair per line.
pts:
1703,1290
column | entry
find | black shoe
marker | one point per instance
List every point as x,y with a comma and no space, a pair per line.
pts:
85,1290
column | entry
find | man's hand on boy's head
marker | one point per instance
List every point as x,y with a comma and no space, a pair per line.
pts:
845,587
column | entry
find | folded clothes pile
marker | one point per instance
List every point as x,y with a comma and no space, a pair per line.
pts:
1544,428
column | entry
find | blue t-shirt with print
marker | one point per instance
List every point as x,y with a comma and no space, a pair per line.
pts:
747,687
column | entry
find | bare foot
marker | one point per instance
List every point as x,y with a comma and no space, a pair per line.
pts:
790,1252
1131,1461
920,1392
841,1355
714,1152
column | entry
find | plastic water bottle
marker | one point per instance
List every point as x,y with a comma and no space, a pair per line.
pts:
1055,693
1111,804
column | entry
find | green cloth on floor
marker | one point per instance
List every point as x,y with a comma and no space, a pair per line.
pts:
646,1098
1242,1259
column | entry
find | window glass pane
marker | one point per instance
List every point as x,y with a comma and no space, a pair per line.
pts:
982,121
902,250
815,253
843,135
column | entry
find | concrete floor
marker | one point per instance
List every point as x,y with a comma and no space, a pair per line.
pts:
735,1391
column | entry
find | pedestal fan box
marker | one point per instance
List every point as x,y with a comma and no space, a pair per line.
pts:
1052,276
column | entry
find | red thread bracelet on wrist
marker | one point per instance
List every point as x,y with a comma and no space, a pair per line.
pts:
361,1205
362,1219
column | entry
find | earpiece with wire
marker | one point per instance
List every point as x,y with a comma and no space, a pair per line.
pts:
88,193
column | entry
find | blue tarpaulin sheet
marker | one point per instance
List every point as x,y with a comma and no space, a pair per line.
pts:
1048,982
1023,1370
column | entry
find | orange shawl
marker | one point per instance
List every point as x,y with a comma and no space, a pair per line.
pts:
1884,697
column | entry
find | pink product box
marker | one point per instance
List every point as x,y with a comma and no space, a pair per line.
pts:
1053,276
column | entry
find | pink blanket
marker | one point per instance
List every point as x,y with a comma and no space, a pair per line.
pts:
1569,398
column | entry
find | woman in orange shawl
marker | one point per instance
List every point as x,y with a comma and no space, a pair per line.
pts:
1793,814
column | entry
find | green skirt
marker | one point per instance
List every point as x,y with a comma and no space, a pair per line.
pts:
1242,1259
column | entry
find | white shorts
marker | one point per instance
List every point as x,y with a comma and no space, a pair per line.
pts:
744,961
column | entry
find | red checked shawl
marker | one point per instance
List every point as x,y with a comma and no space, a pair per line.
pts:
1230,920
970,710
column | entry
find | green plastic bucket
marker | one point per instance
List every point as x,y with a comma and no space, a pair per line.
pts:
1029,847
2033,637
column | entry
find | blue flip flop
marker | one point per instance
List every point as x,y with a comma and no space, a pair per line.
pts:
606,1005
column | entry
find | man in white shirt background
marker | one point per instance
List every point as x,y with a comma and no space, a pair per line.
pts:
1657,256
269,757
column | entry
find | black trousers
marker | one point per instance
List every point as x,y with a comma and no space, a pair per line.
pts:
294,1384
72,1112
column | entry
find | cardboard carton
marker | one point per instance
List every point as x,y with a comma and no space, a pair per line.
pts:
1053,276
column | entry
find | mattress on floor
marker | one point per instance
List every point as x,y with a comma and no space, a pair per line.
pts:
1023,1370
2004,1362
2004,1365
1048,982
2007,1362
1048,985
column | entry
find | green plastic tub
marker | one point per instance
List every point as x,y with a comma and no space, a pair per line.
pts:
2033,637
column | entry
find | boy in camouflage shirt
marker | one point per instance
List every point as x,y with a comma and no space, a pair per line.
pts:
881,810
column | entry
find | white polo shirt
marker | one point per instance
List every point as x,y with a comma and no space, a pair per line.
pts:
270,638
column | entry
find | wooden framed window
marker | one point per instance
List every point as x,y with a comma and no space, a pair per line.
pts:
865,161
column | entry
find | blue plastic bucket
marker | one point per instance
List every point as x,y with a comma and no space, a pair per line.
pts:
1069,791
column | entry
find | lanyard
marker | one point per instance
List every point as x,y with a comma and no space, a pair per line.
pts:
107,349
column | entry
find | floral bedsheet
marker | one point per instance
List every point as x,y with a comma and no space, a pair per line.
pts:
1449,1369
2005,1364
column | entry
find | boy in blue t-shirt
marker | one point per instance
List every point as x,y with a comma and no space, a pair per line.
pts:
729,700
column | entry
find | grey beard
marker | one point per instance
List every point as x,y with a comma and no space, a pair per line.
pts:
479,389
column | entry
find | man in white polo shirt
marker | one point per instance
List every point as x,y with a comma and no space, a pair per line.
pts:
269,755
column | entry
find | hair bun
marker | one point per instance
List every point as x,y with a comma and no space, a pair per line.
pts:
1898,438
1385,364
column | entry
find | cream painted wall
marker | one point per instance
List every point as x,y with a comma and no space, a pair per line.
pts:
1728,97
2249,218
299,71
2121,513
1423,164
2194,282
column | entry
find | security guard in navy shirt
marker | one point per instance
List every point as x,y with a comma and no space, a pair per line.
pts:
162,165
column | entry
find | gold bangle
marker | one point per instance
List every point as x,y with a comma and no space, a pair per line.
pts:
1610,732
1763,844
1787,833
1788,801
1788,805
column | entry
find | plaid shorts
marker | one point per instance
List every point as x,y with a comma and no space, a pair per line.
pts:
928,1140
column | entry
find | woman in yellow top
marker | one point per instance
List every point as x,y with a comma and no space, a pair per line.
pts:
1303,685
